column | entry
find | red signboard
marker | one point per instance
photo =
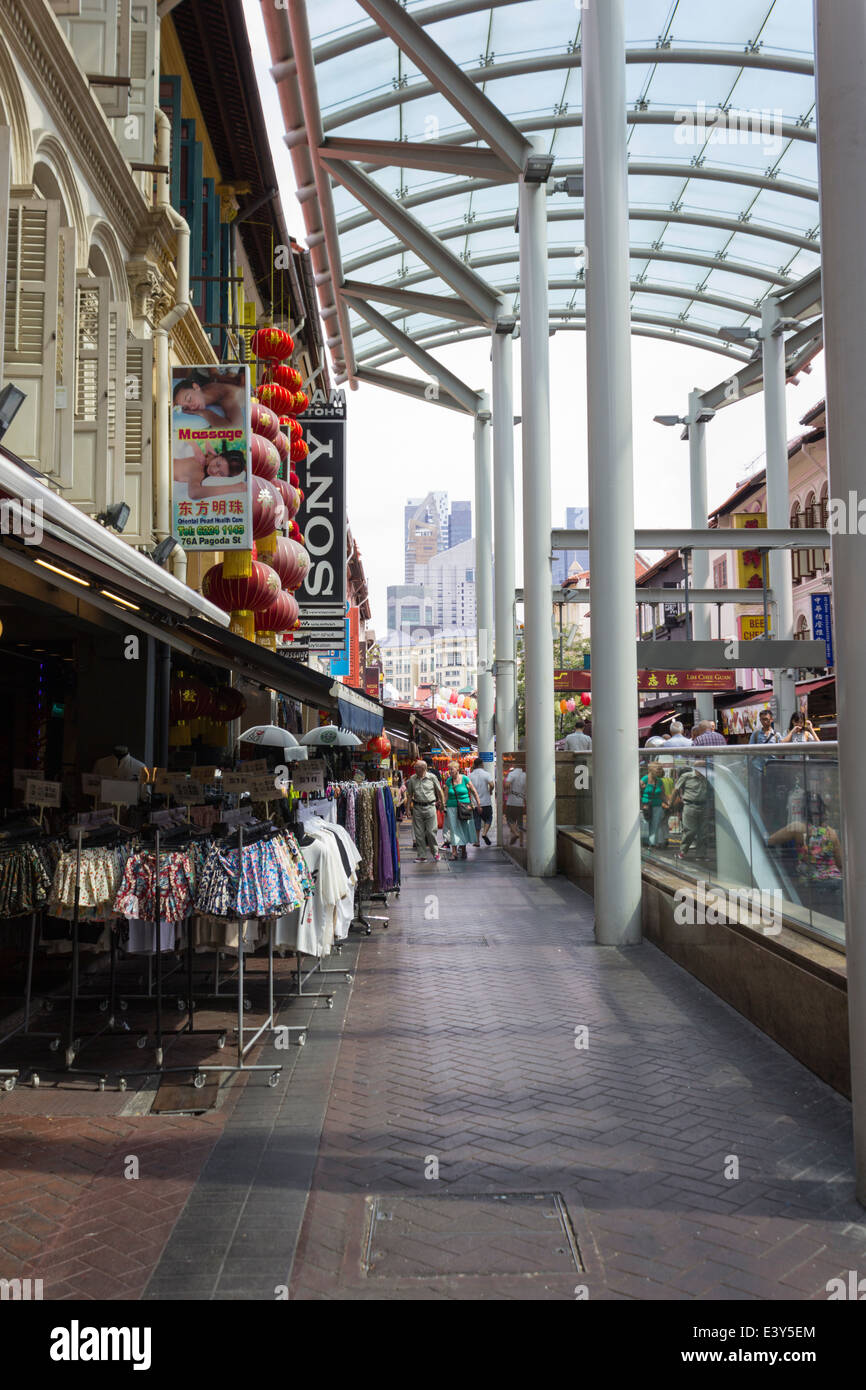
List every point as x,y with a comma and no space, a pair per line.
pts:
655,680
354,678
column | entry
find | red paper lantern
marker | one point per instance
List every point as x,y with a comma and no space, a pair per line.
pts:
189,698
294,479
290,497
279,616
299,402
264,458
295,428
272,344
228,704
269,509
263,421
242,597
289,377
275,396
298,450
281,444
291,562
380,745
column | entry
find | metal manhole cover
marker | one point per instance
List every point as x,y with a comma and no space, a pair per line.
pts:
435,1237
446,940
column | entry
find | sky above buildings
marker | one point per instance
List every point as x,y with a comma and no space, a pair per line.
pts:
400,448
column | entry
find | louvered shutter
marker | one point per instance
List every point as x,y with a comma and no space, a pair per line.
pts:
137,489
5,167
135,131
90,469
99,32
116,438
30,326
64,396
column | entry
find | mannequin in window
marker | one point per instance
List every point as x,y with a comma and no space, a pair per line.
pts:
120,765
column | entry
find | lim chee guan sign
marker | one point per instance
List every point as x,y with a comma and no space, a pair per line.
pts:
322,520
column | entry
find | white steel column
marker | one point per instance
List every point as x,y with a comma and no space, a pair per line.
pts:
778,495
840,62
503,551
537,558
616,814
484,576
704,708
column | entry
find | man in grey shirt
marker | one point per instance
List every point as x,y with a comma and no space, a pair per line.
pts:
423,795
580,740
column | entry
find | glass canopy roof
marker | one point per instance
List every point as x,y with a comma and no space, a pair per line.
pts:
722,157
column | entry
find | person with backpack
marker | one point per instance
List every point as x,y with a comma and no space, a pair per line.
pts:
460,797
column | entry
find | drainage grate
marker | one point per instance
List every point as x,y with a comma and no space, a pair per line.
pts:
438,1236
433,940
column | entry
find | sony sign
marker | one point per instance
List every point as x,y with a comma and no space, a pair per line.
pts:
322,514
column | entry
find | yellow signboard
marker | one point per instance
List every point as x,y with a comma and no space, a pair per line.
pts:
751,625
750,572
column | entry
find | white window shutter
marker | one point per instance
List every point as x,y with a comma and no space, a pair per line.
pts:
136,130
5,167
137,489
99,32
64,396
90,483
117,331
65,7
30,326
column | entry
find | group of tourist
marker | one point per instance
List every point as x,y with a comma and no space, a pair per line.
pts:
461,806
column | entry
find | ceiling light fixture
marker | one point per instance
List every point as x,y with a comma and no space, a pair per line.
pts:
117,599
66,573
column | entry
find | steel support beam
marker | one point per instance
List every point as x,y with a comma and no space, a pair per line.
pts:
503,547
679,538
800,348
447,78
441,377
408,386
840,54
484,576
465,283
463,161
696,428
616,813
434,14
411,301
537,572
778,492
711,656
751,598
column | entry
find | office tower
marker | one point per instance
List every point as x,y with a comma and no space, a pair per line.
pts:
460,524
576,519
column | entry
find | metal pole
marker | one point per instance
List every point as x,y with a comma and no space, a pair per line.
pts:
778,492
484,576
537,558
611,479
503,513
704,708
840,62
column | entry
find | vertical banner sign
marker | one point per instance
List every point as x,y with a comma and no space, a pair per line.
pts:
354,621
322,520
750,573
211,489
822,624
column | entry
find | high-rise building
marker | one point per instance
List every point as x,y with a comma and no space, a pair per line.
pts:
449,580
460,524
425,530
576,519
409,605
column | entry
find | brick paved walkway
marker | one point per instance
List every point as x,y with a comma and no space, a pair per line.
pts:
460,1047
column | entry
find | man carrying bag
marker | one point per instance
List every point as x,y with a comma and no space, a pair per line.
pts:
424,795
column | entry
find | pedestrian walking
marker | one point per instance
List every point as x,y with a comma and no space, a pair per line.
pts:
678,738
423,796
766,733
692,790
515,804
706,732
653,804
460,798
484,786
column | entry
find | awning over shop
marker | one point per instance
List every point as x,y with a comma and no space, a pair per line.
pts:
258,664
808,687
648,721
357,713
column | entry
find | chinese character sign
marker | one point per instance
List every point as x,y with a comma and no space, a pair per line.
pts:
750,571
822,623
211,496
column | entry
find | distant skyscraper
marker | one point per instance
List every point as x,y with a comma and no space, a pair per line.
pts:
425,530
460,526
576,519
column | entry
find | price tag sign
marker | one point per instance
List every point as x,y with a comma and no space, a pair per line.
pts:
235,781
39,793
308,777
117,792
22,775
264,788
190,793
206,775
91,783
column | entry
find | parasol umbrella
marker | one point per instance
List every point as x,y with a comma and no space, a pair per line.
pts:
329,736
270,736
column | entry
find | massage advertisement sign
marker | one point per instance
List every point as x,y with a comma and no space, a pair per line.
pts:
211,490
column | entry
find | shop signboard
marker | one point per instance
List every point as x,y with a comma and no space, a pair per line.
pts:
750,566
115,792
22,775
822,624
309,777
211,493
751,625
656,680
322,521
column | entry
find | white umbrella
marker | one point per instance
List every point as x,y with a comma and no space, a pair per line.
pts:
270,736
329,736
